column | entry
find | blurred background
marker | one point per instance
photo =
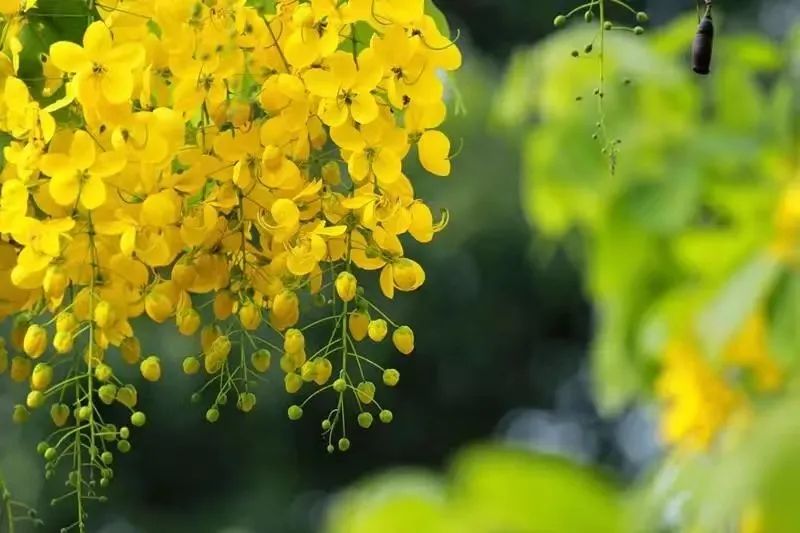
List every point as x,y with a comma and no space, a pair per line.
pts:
528,404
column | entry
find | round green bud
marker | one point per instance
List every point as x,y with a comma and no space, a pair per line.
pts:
138,419
365,420
48,475
560,21
330,448
588,16
607,25
195,398
107,472
320,300
84,412
344,444
72,478
104,482
222,399
107,458
641,17
386,416
295,412
50,454
575,53
107,393
326,425
20,414
35,399
391,377
124,432
190,366
41,448
340,385
123,446
638,30
212,415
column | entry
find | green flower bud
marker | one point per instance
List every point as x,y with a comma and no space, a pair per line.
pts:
123,446
386,416
641,17
365,420
340,385
560,21
212,415
138,419
344,444
295,412
107,458
391,377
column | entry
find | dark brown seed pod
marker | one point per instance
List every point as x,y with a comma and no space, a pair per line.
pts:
703,45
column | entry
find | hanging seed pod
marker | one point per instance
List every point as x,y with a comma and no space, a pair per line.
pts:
703,45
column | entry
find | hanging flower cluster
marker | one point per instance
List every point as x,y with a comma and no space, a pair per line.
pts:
212,152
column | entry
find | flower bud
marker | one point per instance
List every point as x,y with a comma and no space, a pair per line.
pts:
151,368
35,341
223,305
104,315
188,321
246,402
191,366
391,377
365,420
346,286
138,419
55,282
261,360
59,413
285,311
20,369
184,275
158,306
358,323
41,377
208,335
127,396
293,383
131,350
322,371
35,399
386,416
250,316
294,341
107,393
378,329
403,339
366,392
63,342
295,412
103,372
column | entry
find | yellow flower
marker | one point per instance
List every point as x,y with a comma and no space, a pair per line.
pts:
63,342
433,145
41,377
402,274
101,67
697,402
345,89
376,149
81,173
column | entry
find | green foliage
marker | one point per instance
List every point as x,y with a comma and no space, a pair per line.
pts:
700,167
488,489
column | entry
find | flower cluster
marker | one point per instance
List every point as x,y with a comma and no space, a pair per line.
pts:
213,153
